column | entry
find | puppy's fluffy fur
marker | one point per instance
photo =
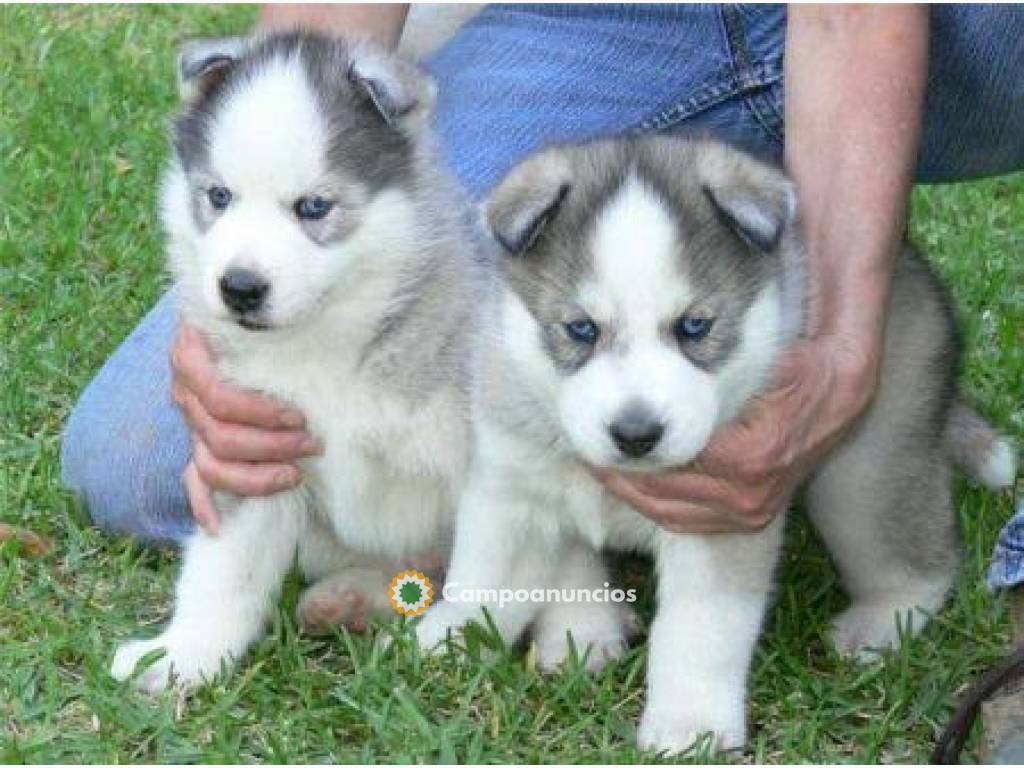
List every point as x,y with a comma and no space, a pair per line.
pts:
649,288
319,246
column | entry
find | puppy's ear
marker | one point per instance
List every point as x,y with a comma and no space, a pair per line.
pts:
527,199
203,63
401,92
755,201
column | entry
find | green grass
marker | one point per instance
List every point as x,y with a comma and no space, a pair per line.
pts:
85,93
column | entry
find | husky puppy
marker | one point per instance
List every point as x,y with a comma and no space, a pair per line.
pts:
317,243
649,288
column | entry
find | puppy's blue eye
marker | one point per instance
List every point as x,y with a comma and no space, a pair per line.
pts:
690,328
312,208
219,197
583,331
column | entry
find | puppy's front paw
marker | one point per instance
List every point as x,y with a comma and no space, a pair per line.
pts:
864,631
677,731
600,634
187,667
440,622
599,648
154,678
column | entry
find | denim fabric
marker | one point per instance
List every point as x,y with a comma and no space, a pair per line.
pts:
974,120
126,445
1007,568
521,77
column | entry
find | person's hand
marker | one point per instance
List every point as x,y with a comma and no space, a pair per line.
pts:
749,471
242,442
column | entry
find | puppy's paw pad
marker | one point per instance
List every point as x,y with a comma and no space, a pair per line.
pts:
674,733
321,609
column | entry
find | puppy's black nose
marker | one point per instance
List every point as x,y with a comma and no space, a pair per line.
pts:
243,290
636,431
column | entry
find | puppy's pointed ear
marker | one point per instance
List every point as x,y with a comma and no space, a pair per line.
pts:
527,199
754,200
401,92
203,63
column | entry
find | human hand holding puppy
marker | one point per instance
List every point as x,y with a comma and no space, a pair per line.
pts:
749,471
243,442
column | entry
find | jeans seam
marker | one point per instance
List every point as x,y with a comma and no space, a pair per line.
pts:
719,90
740,78
763,106
716,92
754,80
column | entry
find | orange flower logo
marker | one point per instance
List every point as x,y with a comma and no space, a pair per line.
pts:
410,593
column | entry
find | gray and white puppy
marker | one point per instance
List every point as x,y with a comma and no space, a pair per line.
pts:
650,286
320,247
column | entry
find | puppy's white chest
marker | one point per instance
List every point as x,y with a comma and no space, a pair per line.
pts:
384,481
569,501
603,520
389,472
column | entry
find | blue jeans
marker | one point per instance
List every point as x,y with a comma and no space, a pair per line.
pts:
519,77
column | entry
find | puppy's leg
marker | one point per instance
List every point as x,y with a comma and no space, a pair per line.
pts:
887,517
227,586
712,593
598,628
881,500
497,552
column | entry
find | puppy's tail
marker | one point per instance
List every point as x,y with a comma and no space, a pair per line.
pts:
975,446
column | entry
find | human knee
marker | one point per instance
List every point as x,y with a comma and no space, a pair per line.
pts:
126,469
